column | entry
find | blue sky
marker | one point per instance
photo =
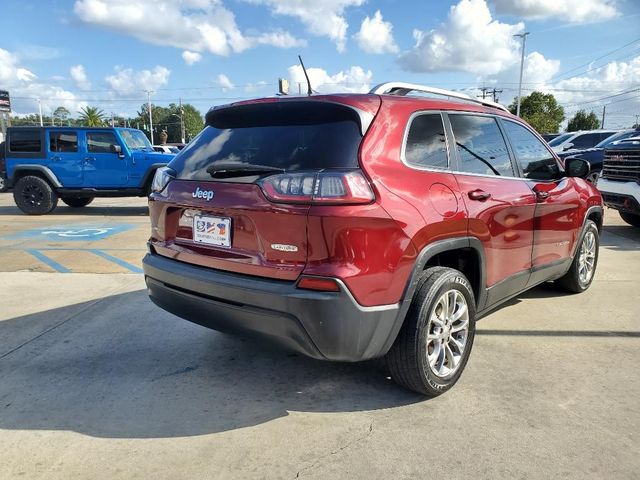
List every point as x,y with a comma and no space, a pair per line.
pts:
108,52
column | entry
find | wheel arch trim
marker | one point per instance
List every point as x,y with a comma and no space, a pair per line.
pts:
426,254
49,175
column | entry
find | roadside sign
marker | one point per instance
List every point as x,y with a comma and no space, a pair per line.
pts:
5,101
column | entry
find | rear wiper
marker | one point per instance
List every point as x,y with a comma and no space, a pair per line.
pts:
229,170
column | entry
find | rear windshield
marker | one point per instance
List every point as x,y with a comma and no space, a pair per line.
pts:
285,135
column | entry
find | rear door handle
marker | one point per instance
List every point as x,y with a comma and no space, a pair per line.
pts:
479,195
56,158
88,160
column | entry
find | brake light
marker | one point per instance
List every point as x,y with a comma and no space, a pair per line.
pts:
326,187
319,284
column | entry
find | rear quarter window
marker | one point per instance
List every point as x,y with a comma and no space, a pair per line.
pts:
25,141
286,135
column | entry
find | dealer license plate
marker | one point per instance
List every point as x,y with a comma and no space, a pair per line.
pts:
212,230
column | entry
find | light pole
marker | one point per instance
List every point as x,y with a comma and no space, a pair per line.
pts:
150,116
523,36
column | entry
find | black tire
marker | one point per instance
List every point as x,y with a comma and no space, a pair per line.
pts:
77,202
631,218
572,280
407,360
34,196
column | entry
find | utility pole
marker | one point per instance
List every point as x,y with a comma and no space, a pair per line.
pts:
604,112
484,92
150,115
523,36
182,133
495,93
40,110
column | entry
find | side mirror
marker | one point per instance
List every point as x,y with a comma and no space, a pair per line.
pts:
576,167
117,149
568,146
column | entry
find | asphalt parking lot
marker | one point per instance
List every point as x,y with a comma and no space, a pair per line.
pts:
97,382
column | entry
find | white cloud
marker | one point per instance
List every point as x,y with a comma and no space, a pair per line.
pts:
25,90
572,11
224,82
470,40
375,35
354,80
191,57
126,82
193,25
322,17
254,87
578,92
80,77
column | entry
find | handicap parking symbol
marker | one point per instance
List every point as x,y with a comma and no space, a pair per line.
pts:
71,232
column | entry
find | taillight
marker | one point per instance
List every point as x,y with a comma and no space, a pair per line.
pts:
161,178
325,187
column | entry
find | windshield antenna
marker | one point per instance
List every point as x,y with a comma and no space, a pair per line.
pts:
309,90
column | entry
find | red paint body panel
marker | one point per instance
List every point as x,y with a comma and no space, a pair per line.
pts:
256,224
503,223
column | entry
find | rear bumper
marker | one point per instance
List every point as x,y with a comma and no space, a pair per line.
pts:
620,195
323,325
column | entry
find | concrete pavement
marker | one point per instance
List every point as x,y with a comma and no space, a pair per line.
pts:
96,382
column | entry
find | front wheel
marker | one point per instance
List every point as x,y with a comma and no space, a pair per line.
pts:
434,344
583,268
34,196
77,202
631,218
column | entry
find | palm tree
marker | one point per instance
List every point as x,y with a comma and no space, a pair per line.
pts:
92,117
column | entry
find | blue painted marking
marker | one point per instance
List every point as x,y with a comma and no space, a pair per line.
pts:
70,233
116,260
44,259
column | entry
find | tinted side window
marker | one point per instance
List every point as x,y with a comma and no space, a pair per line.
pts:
100,142
533,157
63,142
25,141
587,140
426,144
480,145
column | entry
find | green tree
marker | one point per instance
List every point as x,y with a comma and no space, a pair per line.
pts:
541,111
583,121
91,117
60,115
191,118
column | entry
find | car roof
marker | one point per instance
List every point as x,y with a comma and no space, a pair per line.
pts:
371,102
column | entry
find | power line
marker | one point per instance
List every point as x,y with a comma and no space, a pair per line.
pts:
592,61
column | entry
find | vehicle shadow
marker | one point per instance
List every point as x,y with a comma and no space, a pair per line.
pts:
620,237
90,210
123,368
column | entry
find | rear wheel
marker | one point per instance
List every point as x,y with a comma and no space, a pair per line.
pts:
583,267
34,196
631,218
435,341
77,202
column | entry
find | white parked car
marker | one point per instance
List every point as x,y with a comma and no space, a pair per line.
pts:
166,149
579,140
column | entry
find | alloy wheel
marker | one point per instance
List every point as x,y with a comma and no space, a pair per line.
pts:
447,333
587,258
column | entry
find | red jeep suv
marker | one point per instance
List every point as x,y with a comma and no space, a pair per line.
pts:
350,227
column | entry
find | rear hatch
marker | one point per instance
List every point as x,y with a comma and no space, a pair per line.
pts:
244,186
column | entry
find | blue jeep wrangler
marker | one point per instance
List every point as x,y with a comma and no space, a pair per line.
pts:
76,164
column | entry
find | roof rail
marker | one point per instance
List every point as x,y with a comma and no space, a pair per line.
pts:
402,89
